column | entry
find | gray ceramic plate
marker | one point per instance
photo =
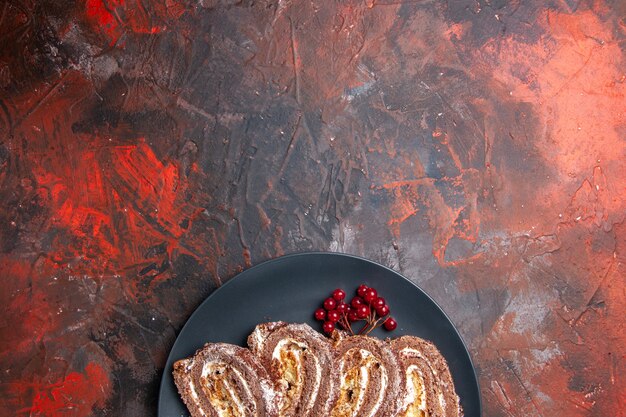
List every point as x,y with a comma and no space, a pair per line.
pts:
290,288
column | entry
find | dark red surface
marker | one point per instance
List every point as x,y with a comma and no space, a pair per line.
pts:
150,150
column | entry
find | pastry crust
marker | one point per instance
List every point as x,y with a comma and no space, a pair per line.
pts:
223,380
421,359
290,370
300,363
371,382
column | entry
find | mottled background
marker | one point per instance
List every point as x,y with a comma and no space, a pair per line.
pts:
152,149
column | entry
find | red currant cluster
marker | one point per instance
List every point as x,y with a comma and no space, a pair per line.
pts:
365,306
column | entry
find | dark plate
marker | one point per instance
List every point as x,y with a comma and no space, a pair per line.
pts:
290,289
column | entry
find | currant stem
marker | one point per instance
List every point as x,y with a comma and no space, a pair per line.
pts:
345,323
373,324
372,320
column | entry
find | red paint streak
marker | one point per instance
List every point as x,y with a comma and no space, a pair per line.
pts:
75,395
411,197
573,78
78,204
139,19
37,317
102,205
114,17
100,17
174,9
139,174
124,199
405,204
38,320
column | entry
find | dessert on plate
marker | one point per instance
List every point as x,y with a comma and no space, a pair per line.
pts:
300,362
291,370
223,380
371,382
429,386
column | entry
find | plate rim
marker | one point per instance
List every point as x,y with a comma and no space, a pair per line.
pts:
242,275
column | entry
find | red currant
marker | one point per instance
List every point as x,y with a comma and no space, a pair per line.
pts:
328,327
333,316
361,290
342,308
357,301
330,304
382,311
362,311
391,324
339,294
366,305
378,302
370,295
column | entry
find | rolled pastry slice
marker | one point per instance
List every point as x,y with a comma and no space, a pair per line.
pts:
371,384
223,380
299,361
429,386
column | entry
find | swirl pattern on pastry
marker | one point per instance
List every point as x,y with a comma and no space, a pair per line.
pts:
290,370
370,381
223,380
430,389
299,361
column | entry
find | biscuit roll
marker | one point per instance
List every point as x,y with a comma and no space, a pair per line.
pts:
429,387
371,384
223,380
299,361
